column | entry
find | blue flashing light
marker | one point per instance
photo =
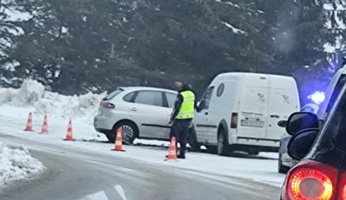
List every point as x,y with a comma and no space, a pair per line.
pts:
317,97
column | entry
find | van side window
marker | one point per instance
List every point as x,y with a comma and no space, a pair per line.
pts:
205,101
220,90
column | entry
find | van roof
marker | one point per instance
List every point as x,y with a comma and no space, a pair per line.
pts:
229,74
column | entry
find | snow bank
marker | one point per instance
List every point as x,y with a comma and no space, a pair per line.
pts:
32,94
16,163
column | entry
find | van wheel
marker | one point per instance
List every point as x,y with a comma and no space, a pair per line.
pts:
222,146
129,134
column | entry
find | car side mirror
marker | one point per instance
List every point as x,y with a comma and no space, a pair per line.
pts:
282,123
199,106
300,144
301,121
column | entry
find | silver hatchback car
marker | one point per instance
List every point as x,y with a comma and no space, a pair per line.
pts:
142,112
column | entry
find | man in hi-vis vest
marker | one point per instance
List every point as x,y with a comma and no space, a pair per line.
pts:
182,115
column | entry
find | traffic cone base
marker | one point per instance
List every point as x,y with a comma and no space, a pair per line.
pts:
172,151
118,146
29,123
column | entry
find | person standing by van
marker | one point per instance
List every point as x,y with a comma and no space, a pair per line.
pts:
182,115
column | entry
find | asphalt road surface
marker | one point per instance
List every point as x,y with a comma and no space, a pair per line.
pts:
79,175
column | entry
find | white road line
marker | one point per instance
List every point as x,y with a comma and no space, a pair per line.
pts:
121,192
98,196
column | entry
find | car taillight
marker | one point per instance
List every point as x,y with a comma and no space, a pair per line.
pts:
108,105
342,189
312,181
234,120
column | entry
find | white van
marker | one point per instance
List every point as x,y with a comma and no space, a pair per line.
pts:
240,111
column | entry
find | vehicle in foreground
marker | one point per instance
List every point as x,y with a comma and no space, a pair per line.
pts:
241,111
321,172
142,112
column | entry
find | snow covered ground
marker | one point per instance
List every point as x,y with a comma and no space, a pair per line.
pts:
16,163
16,104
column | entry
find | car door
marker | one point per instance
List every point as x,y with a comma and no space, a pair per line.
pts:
169,99
253,112
149,112
201,119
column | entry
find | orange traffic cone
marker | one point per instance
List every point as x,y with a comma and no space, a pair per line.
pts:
29,123
118,146
69,134
172,151
44,129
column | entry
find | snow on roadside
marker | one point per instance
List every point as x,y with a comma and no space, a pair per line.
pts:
32,94
16,163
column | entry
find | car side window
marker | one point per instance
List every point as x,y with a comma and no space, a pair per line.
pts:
149,98
333,131
129,97
171,98
341,82
205,101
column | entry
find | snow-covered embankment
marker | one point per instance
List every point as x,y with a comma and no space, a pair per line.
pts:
16,163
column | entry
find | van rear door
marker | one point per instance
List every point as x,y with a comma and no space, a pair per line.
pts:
253,107
283,101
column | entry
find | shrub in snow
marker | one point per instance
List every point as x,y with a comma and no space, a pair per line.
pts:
16,163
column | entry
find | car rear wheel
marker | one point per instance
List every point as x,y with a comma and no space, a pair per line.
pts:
222,146
129,133
282,168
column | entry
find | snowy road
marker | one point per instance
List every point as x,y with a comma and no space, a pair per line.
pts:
76,174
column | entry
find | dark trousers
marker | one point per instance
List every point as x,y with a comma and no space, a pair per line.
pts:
180,130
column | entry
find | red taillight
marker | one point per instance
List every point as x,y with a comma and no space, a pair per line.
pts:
342,189
108,105
311,181
234,120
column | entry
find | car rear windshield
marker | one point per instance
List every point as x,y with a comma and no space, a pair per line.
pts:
113,94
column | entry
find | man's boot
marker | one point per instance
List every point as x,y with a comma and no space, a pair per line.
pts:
181,155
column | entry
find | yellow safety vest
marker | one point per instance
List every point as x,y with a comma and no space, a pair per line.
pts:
188,106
